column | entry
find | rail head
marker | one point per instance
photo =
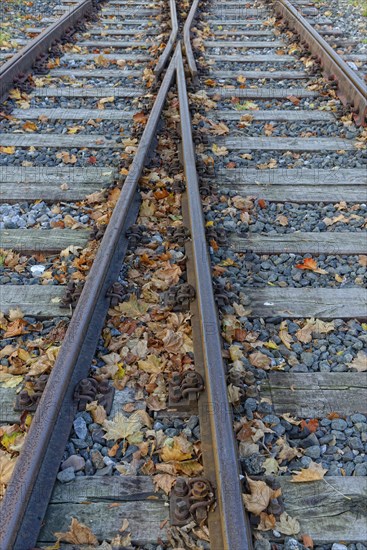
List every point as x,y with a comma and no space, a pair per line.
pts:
187,39
235,529
350,88
23,60
163,59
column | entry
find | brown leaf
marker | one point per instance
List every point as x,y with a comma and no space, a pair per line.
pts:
164,482
78,534
16,328
284,335
260,360
314,472
307,541
267,522
310,264
359,362
99,414
258,500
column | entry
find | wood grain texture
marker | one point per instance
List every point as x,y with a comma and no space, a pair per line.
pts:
276,114
318,394
322,303
59,140
48,193
243,44
305,193
255,58
323,511
294,176
137,57
99,92
34,300
260,93
302,243
112,489
89,499
62,174
73,114
42,240
276,75
97,73
285,144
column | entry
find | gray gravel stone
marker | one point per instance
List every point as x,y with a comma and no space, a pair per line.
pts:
74,461
313,452
66,475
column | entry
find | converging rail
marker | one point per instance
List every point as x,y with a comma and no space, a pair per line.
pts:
275,360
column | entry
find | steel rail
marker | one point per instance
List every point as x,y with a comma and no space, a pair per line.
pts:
22,61
351,89
187,40
17,530
236,533
162,61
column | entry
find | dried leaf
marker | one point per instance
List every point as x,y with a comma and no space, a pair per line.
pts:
314,472
176,449
152,364
99,414
287,525
164,482
260,496
284,335
258,359
310,264
267,522
134,308
121,427
78,534
359,362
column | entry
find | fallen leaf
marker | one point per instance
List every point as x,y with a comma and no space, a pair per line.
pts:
267,522
15,328
122,427
7,150
259,498
258,359
310,264
287,525
314,326
282,220
176,449
314,472
284,335
133,308
99,414
312,425
152,364
164,482
271,466
307,541
78,534
219,151
359,362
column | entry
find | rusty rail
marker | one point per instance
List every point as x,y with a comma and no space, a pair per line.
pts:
162,61
23,60
350,88
235,529
187,40
23,507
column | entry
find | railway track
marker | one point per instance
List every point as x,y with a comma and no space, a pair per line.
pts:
124,334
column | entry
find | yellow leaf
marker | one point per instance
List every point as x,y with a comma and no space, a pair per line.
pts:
7,150
176,449
10,381
314,472
271,345
152,365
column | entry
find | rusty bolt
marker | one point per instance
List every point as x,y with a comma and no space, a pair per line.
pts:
176,379
181,488
182,510
176,394
199,490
